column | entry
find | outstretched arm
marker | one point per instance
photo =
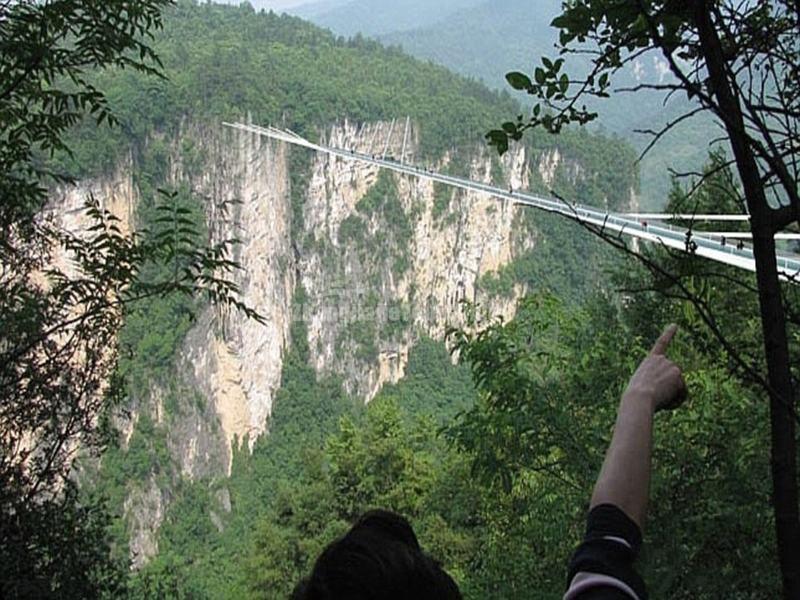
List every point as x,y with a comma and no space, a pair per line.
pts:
602,568
624,480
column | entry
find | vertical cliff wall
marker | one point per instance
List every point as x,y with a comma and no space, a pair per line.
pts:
244,184
387,258
370,260
381,260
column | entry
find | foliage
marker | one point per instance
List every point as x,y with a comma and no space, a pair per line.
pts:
382,200
283,500
59,548
623,32
222,62
432,386
47,52
549,382
572,274
739,63
500,497
66,289
520,368
442,196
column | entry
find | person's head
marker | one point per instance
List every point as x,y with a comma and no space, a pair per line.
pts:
378,559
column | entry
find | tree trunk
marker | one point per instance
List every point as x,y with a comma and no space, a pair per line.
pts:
782,419
773,318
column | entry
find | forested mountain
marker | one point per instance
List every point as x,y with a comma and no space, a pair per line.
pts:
486,40
299,7
375,17
246,446
489,40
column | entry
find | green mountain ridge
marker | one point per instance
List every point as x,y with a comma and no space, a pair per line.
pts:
488,40
224,62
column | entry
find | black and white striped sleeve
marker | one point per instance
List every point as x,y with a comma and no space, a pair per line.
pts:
602,566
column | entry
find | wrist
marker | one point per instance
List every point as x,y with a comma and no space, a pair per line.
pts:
640,398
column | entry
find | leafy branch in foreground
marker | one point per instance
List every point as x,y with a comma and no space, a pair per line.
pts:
65,291
738,61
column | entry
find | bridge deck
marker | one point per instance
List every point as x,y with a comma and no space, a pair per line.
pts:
631,225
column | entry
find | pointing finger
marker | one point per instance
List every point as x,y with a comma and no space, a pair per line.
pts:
664,341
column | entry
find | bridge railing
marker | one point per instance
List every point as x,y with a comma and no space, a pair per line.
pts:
741,255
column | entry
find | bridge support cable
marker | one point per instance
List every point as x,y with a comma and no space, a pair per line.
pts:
686,217
678,238
747,235
388,140
373,140
405,139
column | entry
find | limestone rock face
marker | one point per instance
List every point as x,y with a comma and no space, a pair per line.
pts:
366,300
244,182
115,193
144,510
379,259
357,284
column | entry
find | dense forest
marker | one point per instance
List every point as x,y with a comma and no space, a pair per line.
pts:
492,440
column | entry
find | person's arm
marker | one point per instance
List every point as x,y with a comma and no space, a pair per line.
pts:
601,568
624,480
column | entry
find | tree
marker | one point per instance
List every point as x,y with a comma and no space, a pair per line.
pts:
64,294
548,382
739,61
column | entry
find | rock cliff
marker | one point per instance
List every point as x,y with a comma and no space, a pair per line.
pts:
368,294
369,260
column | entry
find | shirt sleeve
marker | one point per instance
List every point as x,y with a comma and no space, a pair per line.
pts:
602,566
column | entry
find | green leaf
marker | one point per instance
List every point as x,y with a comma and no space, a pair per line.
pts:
562,21
640,24
499,139
519,81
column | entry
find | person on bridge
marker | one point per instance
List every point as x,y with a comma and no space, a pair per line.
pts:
380,557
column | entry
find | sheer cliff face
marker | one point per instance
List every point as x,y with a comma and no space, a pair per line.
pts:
115,193
374,261
379,263
385,262
236,362
369,260
380,258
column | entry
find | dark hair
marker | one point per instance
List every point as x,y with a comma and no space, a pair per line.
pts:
378,559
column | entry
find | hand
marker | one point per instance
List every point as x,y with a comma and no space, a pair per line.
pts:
658,380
